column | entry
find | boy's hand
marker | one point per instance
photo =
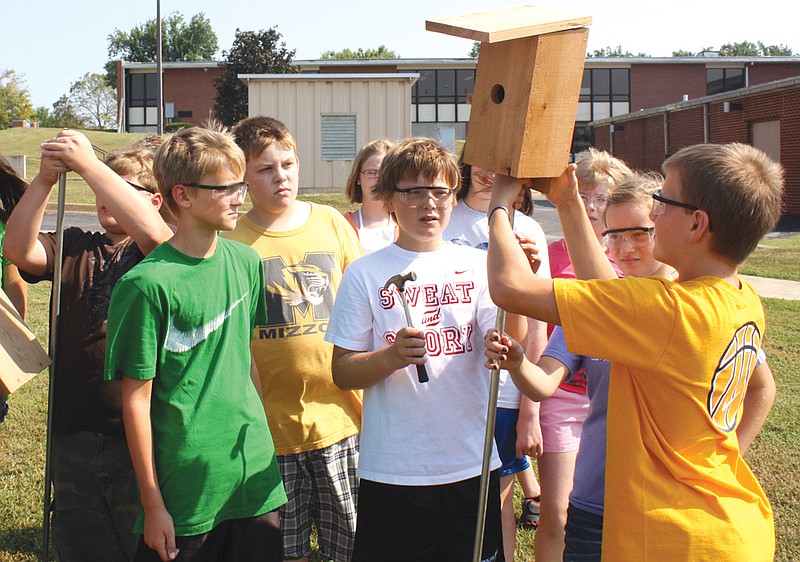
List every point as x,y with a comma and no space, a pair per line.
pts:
72,148
49,169
159,533
531,251
564,190
504,352
506,192
409,347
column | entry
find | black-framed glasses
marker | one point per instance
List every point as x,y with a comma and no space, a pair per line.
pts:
636,236
416,196
138,187
238,188
660,205
371,174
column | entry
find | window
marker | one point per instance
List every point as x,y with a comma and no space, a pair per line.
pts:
338,136
440,95
142,102
606,90
720,80
142,89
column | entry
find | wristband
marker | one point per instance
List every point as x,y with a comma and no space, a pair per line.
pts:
495,209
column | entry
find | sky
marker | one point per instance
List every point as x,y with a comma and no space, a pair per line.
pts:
54,43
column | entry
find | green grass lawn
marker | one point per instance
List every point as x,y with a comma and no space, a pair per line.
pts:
775,257
775,455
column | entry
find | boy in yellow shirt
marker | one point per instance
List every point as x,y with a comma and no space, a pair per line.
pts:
682,356
304,249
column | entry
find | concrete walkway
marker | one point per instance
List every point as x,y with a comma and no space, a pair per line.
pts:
774,288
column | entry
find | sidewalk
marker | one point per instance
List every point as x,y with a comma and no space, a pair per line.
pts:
774,288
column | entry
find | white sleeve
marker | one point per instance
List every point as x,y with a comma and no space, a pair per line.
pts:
351,322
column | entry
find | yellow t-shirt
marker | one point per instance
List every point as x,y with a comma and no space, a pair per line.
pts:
303,268
682,354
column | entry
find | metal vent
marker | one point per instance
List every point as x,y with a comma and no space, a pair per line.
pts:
338,136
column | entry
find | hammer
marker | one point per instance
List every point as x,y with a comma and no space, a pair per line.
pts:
399,282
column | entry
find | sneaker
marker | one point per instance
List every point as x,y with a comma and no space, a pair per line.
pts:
530,513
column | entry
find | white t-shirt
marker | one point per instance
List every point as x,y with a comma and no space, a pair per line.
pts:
469,227
416,433
373,239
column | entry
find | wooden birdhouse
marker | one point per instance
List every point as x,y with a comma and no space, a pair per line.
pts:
527,85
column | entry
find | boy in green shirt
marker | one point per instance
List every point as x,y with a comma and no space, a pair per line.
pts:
179,329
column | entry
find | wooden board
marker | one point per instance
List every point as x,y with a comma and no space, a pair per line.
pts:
21,356
508,23
527,133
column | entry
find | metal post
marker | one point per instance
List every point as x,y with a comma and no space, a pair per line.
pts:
159,71
55,312
488,438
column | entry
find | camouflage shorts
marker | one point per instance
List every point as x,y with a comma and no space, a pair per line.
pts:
95,501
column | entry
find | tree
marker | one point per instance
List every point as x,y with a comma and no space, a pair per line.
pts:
180,41
682,53
476,50
61,117
609,52
380,53
757,49
252,52
15,99
64,115
92,100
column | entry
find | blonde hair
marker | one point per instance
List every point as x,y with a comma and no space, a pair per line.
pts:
137,162
189,155
596,167
352,189
150,142
256,134
636,188
738,186
411,158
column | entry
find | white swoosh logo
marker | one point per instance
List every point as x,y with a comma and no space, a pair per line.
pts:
179,341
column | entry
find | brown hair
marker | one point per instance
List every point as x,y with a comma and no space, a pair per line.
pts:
256,134
11,188
466,185
352,189
596,166
134,162
189,155
739,187
411,158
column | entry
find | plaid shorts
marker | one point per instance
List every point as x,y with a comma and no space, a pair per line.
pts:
321,486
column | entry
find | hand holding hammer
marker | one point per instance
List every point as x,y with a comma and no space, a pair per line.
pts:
399,282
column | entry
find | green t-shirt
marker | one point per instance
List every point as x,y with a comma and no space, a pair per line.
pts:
186,323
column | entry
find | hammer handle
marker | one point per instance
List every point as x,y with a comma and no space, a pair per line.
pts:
422,372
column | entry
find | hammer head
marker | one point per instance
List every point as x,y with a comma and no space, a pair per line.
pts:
399,280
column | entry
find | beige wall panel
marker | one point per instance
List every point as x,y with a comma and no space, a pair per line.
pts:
381,108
